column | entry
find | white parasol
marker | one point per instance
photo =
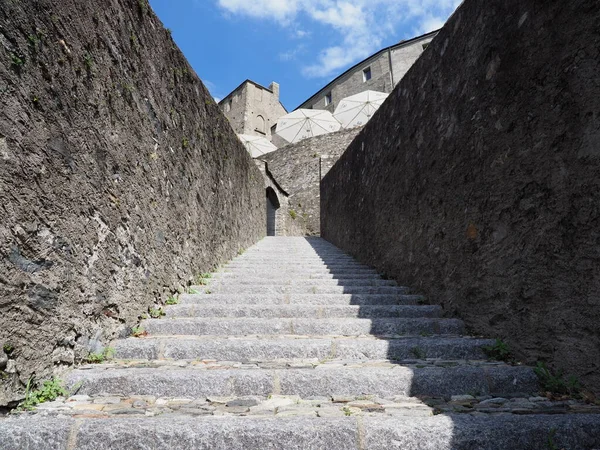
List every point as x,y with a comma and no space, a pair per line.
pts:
357,110
257,145
305,123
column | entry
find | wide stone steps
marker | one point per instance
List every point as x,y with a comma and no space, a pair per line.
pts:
259,281
307,327
298,272
443,432
309,288
264,348
302,299
322,381
294,345
303,311
284,278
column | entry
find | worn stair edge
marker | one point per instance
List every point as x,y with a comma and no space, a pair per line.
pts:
292,281
442,432
319,276
302,311
298,271
306,382
305,327
300,289
301,299
266,348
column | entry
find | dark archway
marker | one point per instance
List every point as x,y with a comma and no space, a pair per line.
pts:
272,207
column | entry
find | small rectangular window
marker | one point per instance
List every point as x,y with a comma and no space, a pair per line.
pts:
366,74
328,99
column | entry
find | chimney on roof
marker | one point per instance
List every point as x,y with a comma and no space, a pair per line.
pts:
274,87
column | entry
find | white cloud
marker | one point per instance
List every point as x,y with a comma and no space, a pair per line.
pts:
431,23
301,34
291,55
361,25
281,10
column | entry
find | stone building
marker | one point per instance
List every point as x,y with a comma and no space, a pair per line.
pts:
292,178
253,109
379,72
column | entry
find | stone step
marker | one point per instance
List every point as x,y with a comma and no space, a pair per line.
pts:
320,381
295,271
296,264
309,288
441,432
265,348
291,258
315,276
295,259
302,311
299,299
288,253
295,281
304,327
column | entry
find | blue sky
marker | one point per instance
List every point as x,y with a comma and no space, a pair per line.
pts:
301,44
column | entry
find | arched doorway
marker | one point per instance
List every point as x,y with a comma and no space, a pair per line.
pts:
272,207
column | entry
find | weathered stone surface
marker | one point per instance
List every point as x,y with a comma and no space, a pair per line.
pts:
253,393
303,311
298,168
316,327
245,348
17,434
308,288
489,433
327,381
478,181
443,432
300,299
116,166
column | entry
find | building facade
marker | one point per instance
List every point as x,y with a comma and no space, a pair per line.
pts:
379,72
253,109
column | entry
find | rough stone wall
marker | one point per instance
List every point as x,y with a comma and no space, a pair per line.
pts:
295,167
120,179
282,197
478,181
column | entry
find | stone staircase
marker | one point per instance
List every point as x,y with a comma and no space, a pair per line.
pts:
295,345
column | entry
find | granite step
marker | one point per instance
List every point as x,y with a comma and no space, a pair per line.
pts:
441,432
302,311
306,327
316,276
265,348
329,354
320,381
299,299
295,257
309,288
301,272
295,281
297,264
